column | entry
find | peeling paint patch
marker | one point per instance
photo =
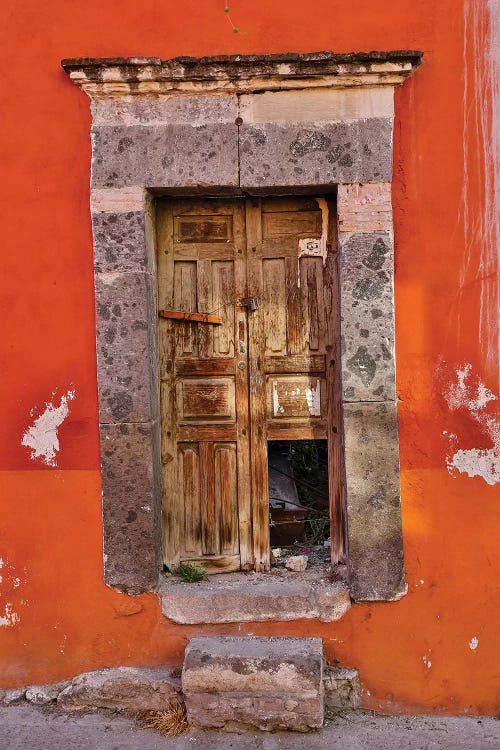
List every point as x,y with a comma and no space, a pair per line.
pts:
313,398
42,435
473,643
469,393
477,463
9,617
463,393
277,408
427,661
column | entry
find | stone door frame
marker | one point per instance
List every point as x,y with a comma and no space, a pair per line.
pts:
252,125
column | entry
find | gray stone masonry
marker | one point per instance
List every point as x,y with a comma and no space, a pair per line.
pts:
251,597
240,683
264,668
367,310
131,513
305,154
373,501
342,689
131,689
122,688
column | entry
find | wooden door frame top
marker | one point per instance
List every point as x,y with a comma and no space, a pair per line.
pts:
252,125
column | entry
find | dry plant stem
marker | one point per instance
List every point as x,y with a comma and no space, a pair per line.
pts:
172,722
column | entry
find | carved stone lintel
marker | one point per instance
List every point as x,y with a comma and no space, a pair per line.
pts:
131,76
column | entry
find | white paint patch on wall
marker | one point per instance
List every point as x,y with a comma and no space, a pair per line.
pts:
473,643
9,617
469,393
42,436
427,661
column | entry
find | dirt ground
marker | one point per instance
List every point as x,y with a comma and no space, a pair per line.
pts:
28,728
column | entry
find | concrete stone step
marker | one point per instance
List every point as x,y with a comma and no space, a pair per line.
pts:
243,683
255,597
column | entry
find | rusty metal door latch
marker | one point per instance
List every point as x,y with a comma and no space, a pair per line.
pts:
250,303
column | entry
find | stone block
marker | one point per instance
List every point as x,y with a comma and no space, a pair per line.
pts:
317,104
254,597
365,208
297,563
238,683
42,695
373,501
366,269
126,347
165,156
118,200
120,242
312,154
131,505
166,110
12,695
342,689
121,688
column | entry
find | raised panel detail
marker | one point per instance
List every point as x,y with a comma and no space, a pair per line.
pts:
226,502
206,400
311,278
202,229
273,273
185,299
188,467
295,397
291,224
223,305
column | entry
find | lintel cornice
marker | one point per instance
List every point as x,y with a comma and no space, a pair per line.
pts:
152,76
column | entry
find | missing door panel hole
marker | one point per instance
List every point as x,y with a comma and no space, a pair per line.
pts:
298,499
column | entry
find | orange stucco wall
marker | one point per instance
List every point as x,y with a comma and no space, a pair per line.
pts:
57,618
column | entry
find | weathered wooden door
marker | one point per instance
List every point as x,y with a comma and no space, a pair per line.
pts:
292,345
204,385
266,267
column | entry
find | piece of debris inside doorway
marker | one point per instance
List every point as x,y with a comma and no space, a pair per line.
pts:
298,500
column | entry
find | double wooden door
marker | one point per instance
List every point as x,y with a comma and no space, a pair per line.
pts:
265,268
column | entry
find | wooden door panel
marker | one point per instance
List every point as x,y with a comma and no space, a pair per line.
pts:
202,229
201,400
185,299
268,374
274,296
204,393
223,297
296,397
294,223
293,344
226,496
188,467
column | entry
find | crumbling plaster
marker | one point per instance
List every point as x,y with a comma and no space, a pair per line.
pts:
252,125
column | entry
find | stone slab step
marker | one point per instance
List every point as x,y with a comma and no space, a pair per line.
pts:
241,683
254,597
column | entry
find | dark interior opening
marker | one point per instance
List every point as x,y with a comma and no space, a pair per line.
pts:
298,499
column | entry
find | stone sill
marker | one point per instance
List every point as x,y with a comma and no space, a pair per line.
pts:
255,597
